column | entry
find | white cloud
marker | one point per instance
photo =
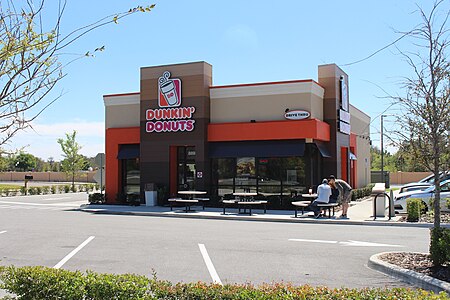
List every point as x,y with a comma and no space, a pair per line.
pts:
41,141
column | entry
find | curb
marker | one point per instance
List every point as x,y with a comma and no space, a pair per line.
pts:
255,218
420,280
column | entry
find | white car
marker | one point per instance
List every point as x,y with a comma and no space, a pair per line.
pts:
424,183
425,195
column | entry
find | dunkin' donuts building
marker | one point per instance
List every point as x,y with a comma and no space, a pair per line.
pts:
180,132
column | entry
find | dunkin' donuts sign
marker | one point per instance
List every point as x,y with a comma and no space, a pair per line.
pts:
171,116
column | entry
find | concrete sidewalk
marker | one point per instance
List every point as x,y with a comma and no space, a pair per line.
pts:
360,213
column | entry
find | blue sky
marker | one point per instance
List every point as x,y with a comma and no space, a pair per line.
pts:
245,42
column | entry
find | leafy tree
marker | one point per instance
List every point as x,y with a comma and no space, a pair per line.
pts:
31,58
73,160
25,162
425,108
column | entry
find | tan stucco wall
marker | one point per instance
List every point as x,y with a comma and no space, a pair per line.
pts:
360,125
226,107
122,110
118,116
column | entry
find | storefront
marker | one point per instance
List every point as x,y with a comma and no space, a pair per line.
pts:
275,138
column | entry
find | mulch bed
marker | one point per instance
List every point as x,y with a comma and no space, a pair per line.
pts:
417,262
429,218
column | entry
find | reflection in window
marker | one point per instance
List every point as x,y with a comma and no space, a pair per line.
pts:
132,176
267,176
294,171
269,171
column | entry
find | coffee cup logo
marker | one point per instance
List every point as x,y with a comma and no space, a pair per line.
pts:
169,91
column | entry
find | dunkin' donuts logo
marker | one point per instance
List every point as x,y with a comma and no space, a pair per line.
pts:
169,91
170,117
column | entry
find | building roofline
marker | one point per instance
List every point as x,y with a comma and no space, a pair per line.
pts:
122,94
265,83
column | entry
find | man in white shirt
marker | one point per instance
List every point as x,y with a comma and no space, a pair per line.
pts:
323,196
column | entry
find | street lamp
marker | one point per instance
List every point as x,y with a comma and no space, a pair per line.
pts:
382,150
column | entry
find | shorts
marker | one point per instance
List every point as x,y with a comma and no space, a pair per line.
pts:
347,197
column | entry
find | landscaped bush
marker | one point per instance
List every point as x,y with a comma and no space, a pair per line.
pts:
45,283
440,246
96,198
54,189
67,188
45,190
362,192
38,190
33,190
23,190
414,207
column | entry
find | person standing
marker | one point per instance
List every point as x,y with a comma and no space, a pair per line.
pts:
345,193
323,196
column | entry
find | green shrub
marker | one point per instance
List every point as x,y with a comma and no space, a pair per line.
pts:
42,283
38,190
111,286
33,190
23,190
90,187
45,189
38,283
414,208
440,246
96,198
54,189
448,203
362,192
67,188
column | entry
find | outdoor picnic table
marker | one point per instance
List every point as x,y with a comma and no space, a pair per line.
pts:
191,194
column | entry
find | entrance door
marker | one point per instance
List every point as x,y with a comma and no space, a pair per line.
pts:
186,168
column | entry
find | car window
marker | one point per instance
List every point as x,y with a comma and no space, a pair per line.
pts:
445,187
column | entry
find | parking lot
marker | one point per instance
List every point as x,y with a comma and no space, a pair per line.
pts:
50,231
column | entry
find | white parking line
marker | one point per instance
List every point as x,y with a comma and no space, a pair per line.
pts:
4,231
69,256
209,265
314,241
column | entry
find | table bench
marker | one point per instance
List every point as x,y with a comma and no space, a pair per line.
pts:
327,206
187,203
202,200
300,204
244,205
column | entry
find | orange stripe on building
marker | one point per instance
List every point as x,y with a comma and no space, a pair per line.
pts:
114,138
272,130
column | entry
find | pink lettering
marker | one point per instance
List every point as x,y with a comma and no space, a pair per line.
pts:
150,114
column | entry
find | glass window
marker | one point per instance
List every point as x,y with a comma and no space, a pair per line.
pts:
294,171
132,176
269,171
225,170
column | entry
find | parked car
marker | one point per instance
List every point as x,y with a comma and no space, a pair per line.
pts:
423,183
425,195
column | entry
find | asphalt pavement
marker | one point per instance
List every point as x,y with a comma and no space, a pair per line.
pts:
51,231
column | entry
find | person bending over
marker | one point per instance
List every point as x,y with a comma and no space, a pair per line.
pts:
345,193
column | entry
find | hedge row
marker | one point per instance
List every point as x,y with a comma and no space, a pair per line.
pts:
362,192
43,190
45,283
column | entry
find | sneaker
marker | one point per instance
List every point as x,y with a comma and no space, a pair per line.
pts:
343,217
317,216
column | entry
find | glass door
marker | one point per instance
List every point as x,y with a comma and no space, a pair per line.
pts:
186,168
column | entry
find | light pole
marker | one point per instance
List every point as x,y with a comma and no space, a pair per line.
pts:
382,149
